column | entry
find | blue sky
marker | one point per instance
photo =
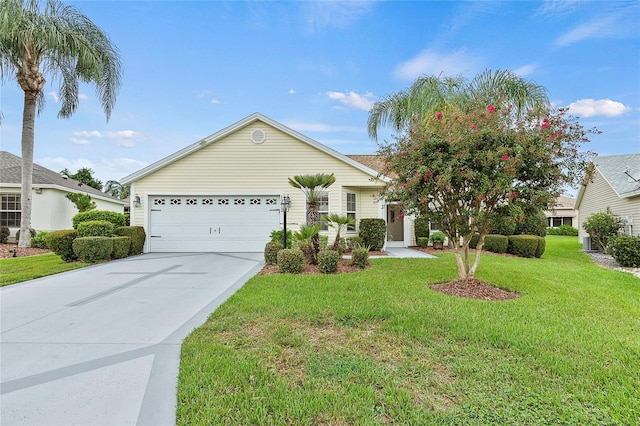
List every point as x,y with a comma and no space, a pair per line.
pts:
193,68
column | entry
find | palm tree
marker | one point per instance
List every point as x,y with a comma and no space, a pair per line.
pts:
340,223
62,42
429,93
116,189
313,187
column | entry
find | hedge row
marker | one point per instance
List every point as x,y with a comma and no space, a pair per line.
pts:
519,245
70,245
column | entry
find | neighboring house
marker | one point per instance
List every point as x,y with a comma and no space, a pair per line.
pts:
50,210
615,185
563,213
223,193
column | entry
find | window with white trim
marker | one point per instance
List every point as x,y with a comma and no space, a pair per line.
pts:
351,209
323,210
11,211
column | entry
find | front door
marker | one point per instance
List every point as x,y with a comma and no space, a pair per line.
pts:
395,224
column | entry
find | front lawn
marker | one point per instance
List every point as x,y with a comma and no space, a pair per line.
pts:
380,347
15,270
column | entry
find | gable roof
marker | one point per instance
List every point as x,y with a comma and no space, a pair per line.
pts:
236,127
621,172
11,175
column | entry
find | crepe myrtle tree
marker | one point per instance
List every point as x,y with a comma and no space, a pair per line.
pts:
58,41
463,165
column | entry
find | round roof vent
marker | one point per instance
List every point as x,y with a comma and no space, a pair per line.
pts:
258,136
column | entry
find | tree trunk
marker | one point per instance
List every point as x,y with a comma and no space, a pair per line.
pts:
462,272
28,133
312,219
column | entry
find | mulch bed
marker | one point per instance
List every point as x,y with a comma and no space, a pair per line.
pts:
474,289
6,251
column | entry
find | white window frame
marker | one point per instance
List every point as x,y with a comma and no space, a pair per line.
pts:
352,212
4,208
324,226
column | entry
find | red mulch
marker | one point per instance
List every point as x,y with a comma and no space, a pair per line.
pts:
6,250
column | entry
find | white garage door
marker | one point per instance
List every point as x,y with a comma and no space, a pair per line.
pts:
183,223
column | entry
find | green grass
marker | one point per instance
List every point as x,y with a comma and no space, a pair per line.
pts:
380,347
27,268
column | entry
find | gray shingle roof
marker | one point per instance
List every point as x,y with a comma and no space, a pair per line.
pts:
11,173
613,168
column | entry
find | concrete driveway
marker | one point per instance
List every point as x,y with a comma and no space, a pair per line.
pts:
101,345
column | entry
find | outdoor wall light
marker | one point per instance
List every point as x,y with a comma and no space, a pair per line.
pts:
136,201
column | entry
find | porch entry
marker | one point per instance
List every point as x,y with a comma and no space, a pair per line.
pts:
395,226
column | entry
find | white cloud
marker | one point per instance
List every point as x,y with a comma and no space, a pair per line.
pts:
125,138
595,107
617,21
430,62
80,141
82,96
215,101
292,92
557,7
88,134
525,70
322,14
353,99
54,96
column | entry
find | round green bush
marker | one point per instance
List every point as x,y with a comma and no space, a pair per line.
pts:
523,245
277,236
4,234
39,240
290,261
118,219
271,252
625,249
328,261
61,243
360,257
534,223
421,227
473,243
137,235
423,241
496,243
121,247
563,230
353,242
93,249
95,228
542,245
373,233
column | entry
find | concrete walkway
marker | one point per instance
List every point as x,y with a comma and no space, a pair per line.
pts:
407,252
101,345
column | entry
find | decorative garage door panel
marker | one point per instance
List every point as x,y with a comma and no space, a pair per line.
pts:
212,223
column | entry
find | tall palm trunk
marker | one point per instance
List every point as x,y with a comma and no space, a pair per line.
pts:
28,134
312,219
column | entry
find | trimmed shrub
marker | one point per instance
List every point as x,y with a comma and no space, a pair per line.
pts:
473,243
31,231
625,249
93,249
542,245
121,247
373,233
423,241
277,236
309,253
271,252
563,230
39,240
61,243
290,261
523,245
421,228
353,243
95,228
601,227
118,219
137,235
534,223
360,257
496,243
4,234
324,241
328,261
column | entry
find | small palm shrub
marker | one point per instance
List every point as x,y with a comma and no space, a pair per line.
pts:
4,234
328,261
373,233
352,242
93,249
625,249
118,219
271,252
290,261
61,243
137,235
39,240
360,257
121,247
95,228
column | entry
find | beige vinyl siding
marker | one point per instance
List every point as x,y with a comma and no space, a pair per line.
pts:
597,196
235,164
